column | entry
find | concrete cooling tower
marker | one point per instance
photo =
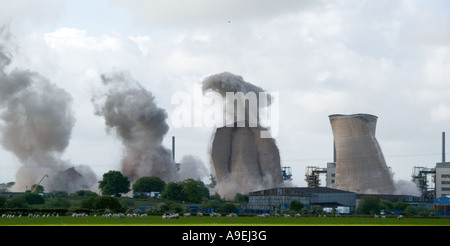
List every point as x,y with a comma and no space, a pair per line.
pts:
360,165
242,159
244,162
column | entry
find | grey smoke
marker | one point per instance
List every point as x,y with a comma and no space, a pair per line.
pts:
36,125
192,167
130,111
227,82
406,187
242,161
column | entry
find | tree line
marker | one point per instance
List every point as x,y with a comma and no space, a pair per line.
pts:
112,186
189,190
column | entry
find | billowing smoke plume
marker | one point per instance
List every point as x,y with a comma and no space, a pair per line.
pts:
131,112
36,125
192,168
406,187
248,105
242,160
228,82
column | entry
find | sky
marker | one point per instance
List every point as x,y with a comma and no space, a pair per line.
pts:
386,58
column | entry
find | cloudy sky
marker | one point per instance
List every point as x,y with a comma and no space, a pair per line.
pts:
387,58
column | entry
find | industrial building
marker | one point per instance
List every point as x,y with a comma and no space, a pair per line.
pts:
438,175
433,182
331,174
442,205
442,179
358,169
280,198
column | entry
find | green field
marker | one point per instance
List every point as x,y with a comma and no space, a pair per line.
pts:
222,221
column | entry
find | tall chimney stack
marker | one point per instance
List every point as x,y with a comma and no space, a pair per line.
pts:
443,147
173,148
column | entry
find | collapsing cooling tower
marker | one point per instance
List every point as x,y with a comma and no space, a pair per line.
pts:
360,165
242,159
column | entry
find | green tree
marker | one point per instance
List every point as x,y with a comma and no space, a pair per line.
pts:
217,197
2,201
421,210
59,203
102,202
33,198
173,191
148,184
188,190
194,191
84,193
215,202
401,205
240,198
58,193
114,183
88,203
18,201
386,205
296,206
39,188
369,205
229,207
107,202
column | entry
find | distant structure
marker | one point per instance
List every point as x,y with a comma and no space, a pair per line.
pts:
439,175
71,180
331,174
244,157
275,199
287,173
360,164
442,177
177,165
420,177
312,176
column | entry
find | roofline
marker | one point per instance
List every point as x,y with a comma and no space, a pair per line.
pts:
304,189
374,117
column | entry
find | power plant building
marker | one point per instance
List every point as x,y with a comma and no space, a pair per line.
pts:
276,198
331,174
360,164
442,179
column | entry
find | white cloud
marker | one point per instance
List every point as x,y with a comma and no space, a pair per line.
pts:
181,62
69,38
440,113
323,102
207,13
26,12
144,43
436,66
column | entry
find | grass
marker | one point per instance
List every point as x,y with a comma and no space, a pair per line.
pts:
222,221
